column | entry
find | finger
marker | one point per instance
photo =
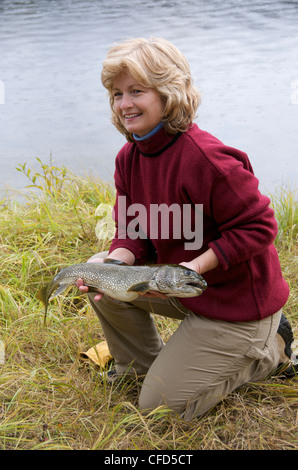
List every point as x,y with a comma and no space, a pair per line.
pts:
83,289
98,297
79,282
80,285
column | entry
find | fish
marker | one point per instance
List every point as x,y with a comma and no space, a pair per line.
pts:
124,282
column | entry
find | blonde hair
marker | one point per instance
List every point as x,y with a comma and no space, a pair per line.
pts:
155,63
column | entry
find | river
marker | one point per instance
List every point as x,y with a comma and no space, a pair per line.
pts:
243,56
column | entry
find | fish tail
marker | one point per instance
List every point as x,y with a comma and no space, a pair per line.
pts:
42,294
45,316
46,292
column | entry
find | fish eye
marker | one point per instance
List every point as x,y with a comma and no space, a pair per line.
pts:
189,272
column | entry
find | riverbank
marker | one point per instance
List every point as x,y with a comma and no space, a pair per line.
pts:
49,397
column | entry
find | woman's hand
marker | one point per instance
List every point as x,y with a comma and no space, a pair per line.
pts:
120,254
80,283
203,263
84,289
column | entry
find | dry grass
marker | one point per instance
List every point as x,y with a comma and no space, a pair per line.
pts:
49,398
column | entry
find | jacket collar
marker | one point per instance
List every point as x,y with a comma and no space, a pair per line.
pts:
157,144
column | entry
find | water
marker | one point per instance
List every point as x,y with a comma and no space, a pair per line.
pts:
244,60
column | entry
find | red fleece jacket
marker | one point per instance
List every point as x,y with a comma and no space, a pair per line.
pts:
238,223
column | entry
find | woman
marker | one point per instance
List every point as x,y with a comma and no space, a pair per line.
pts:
227,336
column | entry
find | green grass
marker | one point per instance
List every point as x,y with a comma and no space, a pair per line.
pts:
49,397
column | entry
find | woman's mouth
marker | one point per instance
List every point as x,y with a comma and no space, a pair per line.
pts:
131,116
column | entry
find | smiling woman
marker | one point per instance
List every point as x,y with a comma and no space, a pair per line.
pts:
231,334
139,109
154,65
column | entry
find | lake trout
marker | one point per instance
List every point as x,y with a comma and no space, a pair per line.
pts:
123,282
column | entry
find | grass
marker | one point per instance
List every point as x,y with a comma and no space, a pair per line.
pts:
49,398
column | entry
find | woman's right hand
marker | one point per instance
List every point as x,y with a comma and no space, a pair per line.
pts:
84,289
120,254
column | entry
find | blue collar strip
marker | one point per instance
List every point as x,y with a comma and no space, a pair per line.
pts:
150,134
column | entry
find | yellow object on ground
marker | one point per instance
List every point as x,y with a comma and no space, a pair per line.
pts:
98,354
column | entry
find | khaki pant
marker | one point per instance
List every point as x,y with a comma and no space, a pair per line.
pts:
200,364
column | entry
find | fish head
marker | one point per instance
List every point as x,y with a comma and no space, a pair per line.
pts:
180,281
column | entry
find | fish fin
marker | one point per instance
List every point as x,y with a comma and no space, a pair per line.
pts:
42,294
140,287
60,289
45,315
115,261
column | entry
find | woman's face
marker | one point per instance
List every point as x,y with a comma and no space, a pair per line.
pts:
140,109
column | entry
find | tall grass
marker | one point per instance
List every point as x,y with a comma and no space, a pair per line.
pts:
284,203
49,397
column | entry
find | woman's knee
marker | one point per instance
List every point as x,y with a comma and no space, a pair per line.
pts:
186,405
154,395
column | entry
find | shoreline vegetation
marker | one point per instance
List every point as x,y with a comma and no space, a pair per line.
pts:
49,398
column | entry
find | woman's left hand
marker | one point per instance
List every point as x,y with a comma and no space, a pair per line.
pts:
190,265
203,263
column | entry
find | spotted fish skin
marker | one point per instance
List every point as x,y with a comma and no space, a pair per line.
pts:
126,283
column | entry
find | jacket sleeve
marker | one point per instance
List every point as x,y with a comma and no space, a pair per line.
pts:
245,221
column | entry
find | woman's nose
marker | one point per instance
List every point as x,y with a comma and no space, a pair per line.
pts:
126,101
